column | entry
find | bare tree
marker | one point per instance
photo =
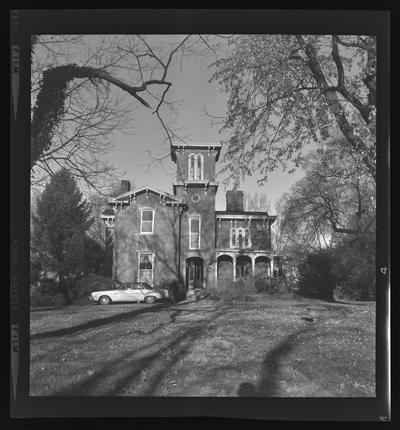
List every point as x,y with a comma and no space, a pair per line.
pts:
256,202
336,197
86,87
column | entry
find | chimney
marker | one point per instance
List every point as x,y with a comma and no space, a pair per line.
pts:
234,201
125,186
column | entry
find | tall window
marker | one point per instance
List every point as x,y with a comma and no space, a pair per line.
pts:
196,167
240,238
146,268
194,233
146,221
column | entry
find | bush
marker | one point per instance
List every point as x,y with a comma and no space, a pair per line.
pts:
176,289
316,276
233,291
83,286
355,271
261,283
46,293
281,285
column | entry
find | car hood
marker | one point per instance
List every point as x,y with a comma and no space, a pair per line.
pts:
104,292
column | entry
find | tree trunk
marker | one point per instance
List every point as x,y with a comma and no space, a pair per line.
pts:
64,288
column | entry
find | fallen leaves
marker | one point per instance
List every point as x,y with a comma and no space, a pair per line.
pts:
230,350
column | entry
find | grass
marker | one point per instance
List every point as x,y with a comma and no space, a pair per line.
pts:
204,348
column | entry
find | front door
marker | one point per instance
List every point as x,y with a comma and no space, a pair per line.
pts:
194,273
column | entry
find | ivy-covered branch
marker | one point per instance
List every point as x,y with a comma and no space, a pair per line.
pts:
52,94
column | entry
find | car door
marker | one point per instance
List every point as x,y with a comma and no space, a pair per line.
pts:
133,293
127,293
118,294
137,294
122,293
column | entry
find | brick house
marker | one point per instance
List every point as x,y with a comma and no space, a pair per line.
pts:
158,236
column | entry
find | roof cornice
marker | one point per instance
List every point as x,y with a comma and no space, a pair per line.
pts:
213,148
126,197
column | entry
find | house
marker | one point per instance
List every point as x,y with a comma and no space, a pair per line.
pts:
159,236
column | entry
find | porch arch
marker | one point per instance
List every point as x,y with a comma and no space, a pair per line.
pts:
224,267
262,266
243,267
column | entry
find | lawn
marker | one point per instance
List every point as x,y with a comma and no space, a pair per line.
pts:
204,348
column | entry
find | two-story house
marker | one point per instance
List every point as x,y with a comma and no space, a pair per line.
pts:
158,235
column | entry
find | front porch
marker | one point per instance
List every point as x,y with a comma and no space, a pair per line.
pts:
241,264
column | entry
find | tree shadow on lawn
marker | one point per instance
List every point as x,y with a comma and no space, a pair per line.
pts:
268,385
123,371
176,349
355,303
103,321
45,309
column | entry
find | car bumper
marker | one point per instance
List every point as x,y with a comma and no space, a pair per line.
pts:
92,299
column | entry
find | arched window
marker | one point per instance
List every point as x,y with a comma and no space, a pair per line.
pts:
191,167
196,167
199,170
239,233
240,238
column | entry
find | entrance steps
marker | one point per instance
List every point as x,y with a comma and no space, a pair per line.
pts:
194,294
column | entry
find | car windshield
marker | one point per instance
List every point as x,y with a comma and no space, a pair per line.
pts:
143,285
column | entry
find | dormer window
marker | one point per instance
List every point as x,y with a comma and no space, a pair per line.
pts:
196,167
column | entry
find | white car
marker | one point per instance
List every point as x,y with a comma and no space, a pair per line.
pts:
130,292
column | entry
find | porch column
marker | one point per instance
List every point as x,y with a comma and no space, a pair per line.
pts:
253,266
216,271
234,267
272,266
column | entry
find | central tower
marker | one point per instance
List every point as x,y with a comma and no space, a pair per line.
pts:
195,182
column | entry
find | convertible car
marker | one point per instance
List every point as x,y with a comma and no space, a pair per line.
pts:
130,292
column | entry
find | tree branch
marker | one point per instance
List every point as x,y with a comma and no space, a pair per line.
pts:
335,105
364,110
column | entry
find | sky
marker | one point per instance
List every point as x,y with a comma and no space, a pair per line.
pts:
191,86
135,148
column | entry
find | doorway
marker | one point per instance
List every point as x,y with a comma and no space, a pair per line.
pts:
194,272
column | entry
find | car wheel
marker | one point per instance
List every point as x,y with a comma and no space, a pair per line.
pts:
150,299
104,300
